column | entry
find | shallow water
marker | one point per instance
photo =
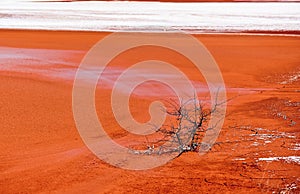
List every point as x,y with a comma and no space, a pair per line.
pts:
56,64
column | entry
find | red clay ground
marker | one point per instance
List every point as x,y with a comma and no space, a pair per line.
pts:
41,150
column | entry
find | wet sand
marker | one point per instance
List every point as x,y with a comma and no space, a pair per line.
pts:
41,150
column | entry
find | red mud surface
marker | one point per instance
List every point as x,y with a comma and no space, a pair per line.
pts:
41,150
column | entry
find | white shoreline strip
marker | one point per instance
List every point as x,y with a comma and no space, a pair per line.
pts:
150,16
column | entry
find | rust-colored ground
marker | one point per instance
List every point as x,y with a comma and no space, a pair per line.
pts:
41,150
